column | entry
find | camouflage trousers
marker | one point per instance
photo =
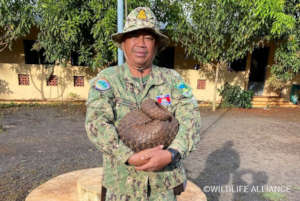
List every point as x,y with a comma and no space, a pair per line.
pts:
153,196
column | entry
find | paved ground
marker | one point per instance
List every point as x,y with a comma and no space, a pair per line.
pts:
240,151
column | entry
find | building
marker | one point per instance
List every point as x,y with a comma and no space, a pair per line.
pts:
24,75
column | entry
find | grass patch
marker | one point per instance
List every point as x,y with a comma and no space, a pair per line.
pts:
69,108
273,196
15,105
8,105
296,188
36,104
1,126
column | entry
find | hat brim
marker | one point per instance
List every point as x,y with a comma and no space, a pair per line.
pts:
162,40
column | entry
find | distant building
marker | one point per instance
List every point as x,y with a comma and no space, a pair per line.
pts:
25,76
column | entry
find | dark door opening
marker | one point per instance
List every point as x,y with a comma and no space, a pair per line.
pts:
257,76
165,58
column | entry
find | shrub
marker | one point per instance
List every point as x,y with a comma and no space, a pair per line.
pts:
234,96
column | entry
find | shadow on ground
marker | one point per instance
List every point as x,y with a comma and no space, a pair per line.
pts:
221,175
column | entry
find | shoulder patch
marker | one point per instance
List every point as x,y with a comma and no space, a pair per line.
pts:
184,89
102,85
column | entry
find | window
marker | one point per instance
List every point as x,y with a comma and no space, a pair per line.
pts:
33,56
23,79
78,81
239,65
52,80
201,84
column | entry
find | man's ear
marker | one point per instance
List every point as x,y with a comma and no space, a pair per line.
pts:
122,47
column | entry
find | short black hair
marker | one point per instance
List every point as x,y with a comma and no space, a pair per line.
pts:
148,31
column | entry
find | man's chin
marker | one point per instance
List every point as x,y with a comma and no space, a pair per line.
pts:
141,63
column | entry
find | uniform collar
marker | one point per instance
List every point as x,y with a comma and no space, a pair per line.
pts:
155,78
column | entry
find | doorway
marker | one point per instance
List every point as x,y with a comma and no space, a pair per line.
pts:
259,62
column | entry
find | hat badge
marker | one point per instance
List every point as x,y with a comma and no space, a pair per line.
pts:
142,15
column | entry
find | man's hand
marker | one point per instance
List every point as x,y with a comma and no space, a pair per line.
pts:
158,160
142,157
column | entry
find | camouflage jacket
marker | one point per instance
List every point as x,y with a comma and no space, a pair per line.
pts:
107,106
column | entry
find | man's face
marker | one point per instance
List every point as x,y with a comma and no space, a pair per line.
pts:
139,48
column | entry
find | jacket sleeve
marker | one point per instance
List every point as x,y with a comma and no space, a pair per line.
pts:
188,114
100,127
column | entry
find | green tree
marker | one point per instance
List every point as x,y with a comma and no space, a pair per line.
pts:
287,55
218,32
214,32
85,27
16,20
74,26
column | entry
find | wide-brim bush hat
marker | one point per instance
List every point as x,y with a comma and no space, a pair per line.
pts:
142,18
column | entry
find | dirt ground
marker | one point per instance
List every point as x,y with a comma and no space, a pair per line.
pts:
243,155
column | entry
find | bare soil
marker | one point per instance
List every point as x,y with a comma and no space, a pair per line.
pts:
239,149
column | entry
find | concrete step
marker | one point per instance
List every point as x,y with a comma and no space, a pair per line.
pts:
268,98
271,101
270,106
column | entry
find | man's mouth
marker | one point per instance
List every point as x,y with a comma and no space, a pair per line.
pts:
141,54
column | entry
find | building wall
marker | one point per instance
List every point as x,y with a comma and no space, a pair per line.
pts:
266,91
185,66
37,88
16,55
285,93
12,63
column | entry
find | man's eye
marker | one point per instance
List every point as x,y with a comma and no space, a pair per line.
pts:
149,38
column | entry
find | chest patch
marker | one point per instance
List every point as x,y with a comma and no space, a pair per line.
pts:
164,100
102,85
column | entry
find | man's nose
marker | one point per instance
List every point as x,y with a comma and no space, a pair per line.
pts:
141,41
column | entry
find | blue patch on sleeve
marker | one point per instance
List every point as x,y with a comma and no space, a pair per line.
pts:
102,85
184,89
181,85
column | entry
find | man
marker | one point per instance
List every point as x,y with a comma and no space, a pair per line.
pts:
156,173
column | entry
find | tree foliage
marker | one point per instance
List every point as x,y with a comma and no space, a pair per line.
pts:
66,27
287,55
225,30
211,31
221,31
16,19
85,27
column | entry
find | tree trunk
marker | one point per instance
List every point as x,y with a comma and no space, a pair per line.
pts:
215,87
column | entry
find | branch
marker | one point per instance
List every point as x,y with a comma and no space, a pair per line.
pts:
4,46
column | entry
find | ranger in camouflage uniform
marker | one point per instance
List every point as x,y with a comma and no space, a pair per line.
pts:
119,89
